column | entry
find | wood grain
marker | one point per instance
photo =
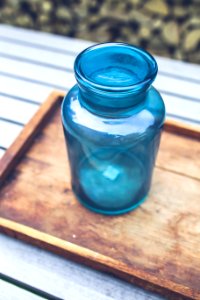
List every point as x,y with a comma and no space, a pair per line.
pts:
155,246
21,144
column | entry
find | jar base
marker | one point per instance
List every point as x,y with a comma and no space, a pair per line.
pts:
111,212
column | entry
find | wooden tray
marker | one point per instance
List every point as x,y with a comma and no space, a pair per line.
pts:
157,246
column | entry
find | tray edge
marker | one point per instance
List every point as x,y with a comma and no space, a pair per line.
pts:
23,141
88,257
177,127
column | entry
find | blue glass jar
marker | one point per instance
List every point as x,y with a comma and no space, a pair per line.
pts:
112,123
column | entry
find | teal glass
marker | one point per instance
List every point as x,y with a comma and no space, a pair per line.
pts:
112,122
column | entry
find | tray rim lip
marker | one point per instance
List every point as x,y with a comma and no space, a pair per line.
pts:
24,139
11,158
88,257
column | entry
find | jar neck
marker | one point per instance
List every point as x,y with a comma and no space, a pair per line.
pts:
111,104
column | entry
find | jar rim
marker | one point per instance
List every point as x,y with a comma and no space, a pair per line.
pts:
146,56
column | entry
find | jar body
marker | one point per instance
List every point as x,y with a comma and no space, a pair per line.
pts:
112,156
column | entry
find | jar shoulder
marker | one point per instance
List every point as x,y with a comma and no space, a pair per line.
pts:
149,115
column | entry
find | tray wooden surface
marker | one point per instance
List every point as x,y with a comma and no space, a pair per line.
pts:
157,246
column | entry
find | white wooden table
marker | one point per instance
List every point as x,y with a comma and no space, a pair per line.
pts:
32,64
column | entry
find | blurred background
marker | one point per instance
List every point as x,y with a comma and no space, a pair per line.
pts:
164,27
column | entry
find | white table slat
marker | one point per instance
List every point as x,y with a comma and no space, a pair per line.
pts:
8,133
18,111
61,277
43,56
43,39
11,292
181,87
76,45
178,68
55,78
24,89
183,108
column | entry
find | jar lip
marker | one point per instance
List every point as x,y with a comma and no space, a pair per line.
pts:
82,78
